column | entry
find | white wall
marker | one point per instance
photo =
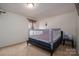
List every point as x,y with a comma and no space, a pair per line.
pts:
13,29
67,22
77,22
78,34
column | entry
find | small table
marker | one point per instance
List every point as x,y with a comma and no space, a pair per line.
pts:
69,40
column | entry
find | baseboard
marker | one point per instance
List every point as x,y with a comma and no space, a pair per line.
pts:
12,45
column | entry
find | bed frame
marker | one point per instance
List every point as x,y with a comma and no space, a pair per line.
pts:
44,45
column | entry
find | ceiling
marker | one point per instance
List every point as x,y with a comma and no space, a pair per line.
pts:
40,11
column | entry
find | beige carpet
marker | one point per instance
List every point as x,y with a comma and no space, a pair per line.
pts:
30,50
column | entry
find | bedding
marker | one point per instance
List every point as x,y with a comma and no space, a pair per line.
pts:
44,34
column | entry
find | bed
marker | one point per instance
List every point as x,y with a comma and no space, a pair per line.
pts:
48,39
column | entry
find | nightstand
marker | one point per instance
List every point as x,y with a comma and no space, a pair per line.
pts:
69,40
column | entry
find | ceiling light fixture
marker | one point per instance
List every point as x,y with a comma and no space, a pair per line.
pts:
30,5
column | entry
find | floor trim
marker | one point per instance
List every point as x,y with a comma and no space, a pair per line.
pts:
12,45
